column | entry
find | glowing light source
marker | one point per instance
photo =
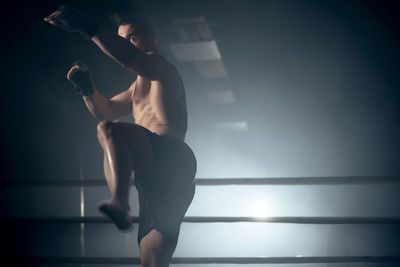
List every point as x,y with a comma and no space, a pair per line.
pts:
259,209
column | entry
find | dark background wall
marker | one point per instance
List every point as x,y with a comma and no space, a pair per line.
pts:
316,83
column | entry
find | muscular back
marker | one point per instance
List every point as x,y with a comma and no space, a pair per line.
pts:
160,105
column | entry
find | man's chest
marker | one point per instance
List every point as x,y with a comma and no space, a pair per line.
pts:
141,90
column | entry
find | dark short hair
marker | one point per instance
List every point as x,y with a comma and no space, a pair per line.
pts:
144,25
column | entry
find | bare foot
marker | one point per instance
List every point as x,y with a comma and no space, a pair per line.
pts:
117,214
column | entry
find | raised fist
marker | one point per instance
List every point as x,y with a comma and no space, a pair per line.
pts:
70,19
80,76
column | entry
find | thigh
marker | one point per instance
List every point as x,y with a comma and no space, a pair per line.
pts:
175,161
139,144
163,209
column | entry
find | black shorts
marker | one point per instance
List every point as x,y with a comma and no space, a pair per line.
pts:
165,195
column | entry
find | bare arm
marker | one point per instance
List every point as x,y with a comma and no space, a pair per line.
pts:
98,105
149,66
110,109
101,108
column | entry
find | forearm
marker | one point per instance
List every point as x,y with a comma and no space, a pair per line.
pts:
117,48
98,105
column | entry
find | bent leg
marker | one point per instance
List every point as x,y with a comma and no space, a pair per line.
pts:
107,173
125,150
119,167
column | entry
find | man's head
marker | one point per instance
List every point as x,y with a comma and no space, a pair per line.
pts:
137,30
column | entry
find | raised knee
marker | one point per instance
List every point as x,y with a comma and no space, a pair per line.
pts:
105,129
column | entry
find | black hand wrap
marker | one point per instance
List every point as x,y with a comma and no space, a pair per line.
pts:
70,19
82,80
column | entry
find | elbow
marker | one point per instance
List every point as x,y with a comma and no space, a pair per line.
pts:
128,64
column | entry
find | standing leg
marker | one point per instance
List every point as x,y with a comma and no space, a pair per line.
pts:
155,251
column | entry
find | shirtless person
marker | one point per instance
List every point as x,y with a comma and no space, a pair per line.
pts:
153,147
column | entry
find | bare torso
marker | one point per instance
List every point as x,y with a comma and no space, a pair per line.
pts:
160,106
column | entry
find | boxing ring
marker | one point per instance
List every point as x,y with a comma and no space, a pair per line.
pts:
83,220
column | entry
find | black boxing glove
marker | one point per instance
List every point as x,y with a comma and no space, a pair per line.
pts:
82,79
70,19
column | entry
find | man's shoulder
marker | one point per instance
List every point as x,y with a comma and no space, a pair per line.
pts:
159,57
166,68
156,54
